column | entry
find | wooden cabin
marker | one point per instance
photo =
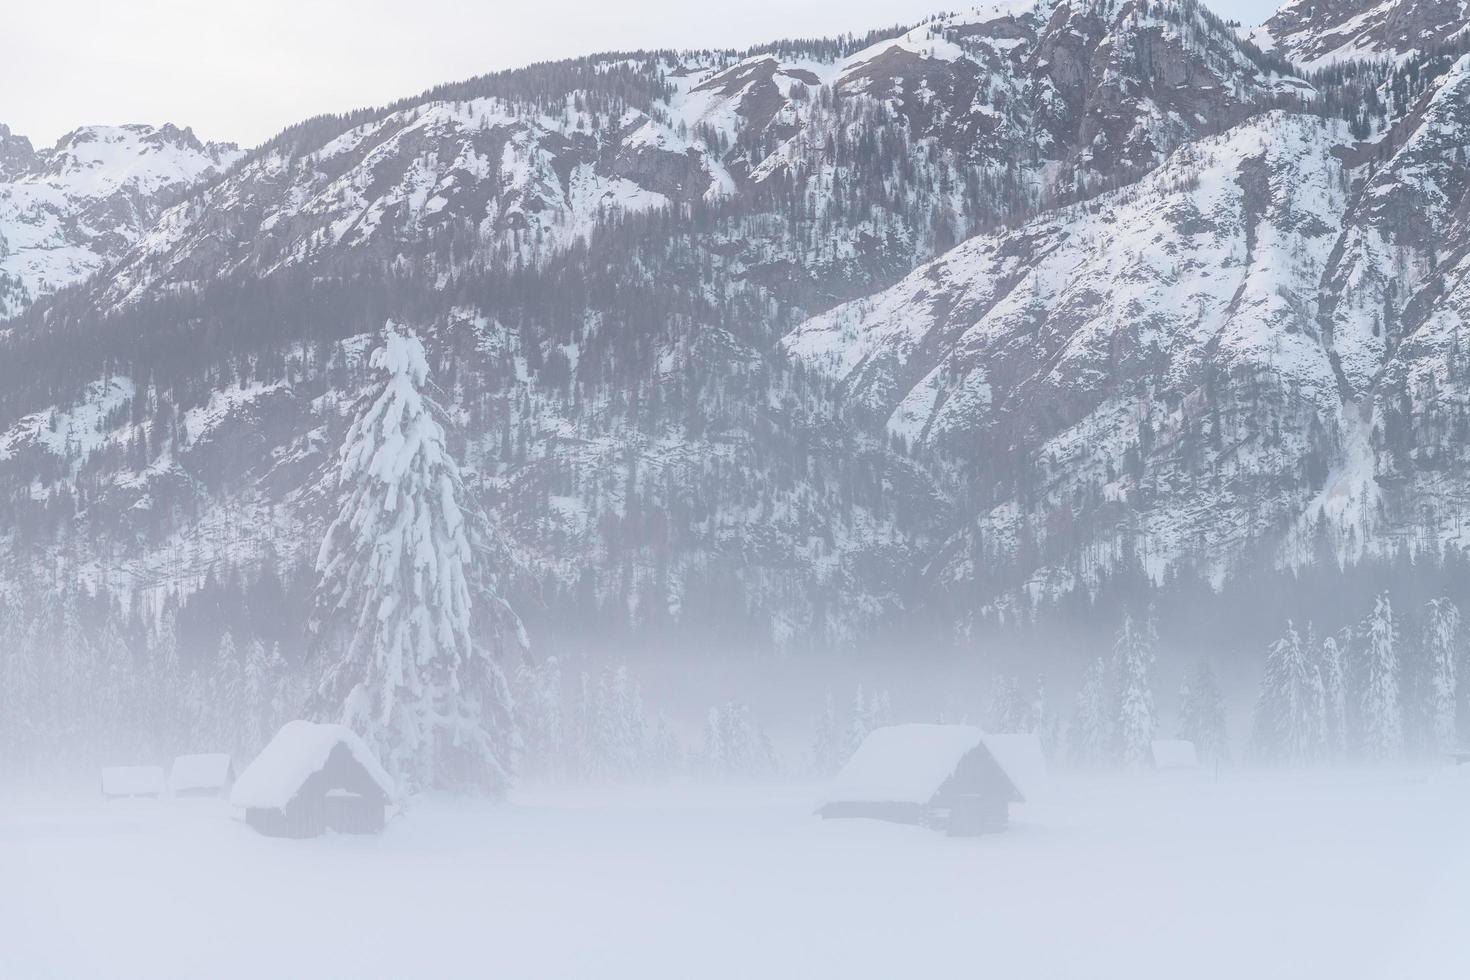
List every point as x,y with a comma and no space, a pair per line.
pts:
312,778
201,775
128,782
950,777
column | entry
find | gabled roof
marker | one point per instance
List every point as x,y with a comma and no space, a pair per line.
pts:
1022,760
208,770
300,750
903,763
910,764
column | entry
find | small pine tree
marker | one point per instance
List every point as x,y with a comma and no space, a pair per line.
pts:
257,700
665,754
1442,647
1134,712
1091,735
859,724
1288,723
827,747
538,708
1202,714
735,747
1005,705
1382,724
1334,698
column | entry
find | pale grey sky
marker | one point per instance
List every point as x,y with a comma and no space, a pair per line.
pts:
241,71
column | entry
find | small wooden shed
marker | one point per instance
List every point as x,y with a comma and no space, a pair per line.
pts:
203,774
312,778
126,782
950,777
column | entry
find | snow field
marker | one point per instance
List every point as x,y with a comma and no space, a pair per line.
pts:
1322,874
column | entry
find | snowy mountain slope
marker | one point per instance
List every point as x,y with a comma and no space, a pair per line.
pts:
1407,216
68,211
791,346
969,119
1122,351
1407,274
1319,33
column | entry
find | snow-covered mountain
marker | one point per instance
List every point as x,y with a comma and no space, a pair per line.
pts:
1319,33
790,346
965,120
70,210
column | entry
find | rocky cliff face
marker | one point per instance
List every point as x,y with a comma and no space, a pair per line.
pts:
1319,33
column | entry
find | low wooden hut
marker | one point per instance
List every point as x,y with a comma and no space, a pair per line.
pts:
127,782
312,778
203,774
950,777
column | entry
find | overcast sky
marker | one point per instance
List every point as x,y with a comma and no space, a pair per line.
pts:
240,71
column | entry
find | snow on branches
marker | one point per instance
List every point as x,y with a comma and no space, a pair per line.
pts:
394,605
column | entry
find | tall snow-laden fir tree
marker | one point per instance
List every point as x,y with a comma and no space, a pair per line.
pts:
394,606
1379,712
1091,734
1334,698
1442,650
1288,720
1134,705
1202,713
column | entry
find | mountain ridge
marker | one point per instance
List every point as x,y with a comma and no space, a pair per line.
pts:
646,280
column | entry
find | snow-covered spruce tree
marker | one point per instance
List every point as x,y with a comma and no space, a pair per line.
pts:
257,701
1379,713
394,606
1006,706
859,724
733,746
1334,698
1091,734
538,713
665,754
226,696
828,753
1442,650
1134,705
1202,714
1288,720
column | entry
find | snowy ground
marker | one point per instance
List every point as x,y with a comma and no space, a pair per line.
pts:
1329,874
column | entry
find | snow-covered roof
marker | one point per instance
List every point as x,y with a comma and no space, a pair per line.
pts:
132,781
1174,754
206,770
1020,757
903,763
300,749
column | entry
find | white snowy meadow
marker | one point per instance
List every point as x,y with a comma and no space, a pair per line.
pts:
1347,874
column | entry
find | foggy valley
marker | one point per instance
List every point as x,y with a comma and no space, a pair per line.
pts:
987,494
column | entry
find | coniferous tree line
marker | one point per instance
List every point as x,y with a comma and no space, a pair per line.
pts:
1382,690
